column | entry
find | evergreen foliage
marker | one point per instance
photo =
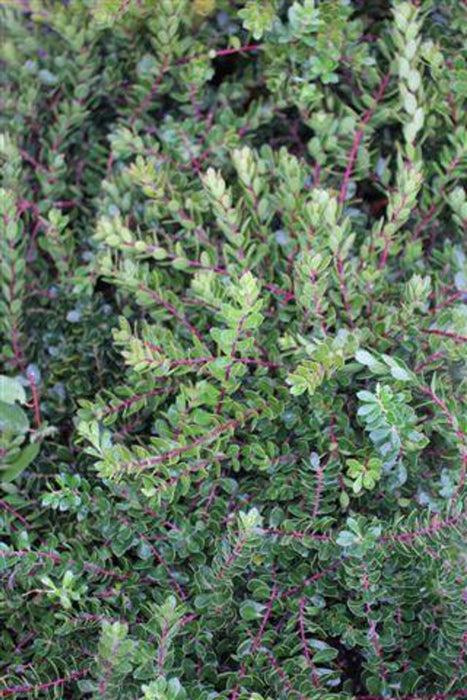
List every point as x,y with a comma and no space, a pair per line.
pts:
233,435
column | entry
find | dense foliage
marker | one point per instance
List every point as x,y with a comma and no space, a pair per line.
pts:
232,336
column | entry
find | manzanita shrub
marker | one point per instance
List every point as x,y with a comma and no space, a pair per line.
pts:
232,402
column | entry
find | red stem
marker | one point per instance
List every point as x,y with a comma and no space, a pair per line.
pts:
306,651
257,640
35,399
40,687
6,506
445,334
177,451
358,138
430,696
194,361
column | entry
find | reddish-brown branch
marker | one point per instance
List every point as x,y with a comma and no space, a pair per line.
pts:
436,526
431,358
57,559
41,687
343,288
220,52
419,696
177,451
440,403
318,489
35,399
166,67
233,556
316,577
172,311
295,534
160,559
196,361
6,506
257,640
306,651
152,93
127,403
445,334
358,138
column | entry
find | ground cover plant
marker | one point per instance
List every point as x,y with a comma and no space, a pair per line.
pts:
232,337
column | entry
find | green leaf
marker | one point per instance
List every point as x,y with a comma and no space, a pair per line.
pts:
257,16
358,484
251,610
14,469
324,656
11,390
397,370
346,538
366,358
13,419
